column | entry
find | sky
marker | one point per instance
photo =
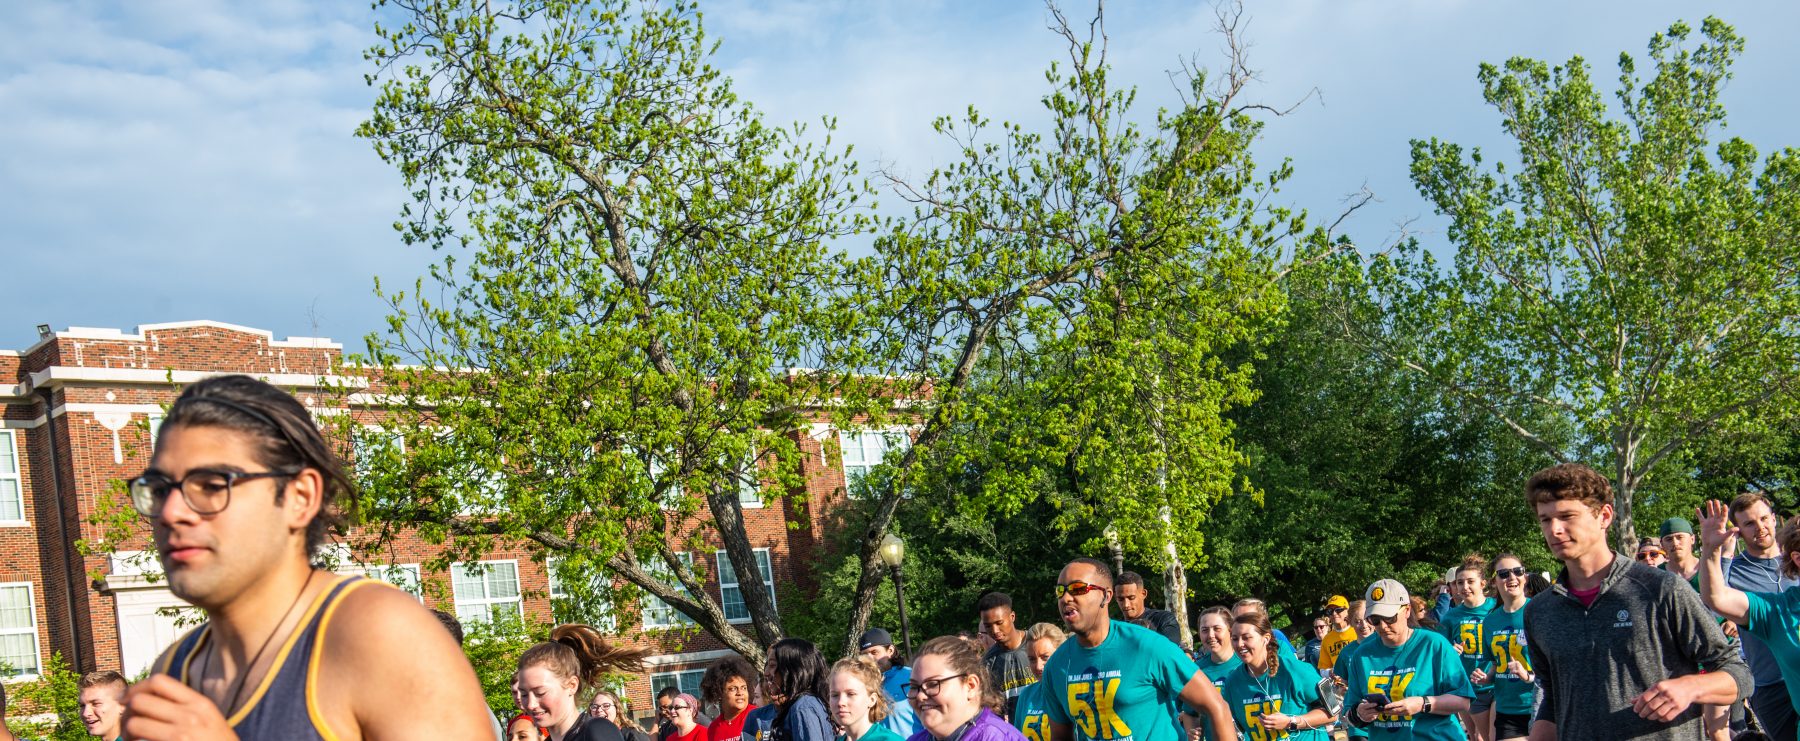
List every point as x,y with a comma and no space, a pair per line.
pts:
170,160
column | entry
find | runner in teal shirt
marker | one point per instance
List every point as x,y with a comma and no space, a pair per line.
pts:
1116,681
1029,715
1341,670
1503,645
1216,659
1419,664
1272,699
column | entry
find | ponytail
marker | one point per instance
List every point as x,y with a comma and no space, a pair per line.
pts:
579,652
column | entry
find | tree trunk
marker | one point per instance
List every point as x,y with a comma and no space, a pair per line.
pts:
1624,527
1175,586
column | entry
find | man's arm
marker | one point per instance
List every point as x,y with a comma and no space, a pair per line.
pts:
1546,679
1203,696
1542,730
1168,627
1695,638
1715,532
383,644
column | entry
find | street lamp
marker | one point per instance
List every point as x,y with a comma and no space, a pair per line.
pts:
1115,548
893,551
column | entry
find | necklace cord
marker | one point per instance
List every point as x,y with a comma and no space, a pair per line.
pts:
244,676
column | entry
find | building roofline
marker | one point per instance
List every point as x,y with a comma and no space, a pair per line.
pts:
142,334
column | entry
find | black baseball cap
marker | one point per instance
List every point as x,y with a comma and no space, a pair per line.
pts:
874,637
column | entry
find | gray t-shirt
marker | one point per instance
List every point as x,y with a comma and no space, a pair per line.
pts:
1011,670
1748,573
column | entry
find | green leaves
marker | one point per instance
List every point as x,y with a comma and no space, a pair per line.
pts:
1631,278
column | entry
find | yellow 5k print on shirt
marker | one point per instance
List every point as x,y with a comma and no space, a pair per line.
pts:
1124,689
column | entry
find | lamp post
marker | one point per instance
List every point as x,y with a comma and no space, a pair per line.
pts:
893,551
1114,548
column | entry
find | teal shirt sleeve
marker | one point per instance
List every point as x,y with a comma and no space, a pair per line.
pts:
1306,688
1451,679
1054,694
1171,666
1760,618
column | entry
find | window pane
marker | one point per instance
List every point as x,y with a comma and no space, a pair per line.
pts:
503,581
467,586
12,505
15,608
19,651
9,464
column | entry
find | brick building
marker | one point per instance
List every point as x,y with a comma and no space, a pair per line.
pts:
76,414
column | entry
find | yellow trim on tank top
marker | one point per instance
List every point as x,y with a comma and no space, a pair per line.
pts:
312,665
287,647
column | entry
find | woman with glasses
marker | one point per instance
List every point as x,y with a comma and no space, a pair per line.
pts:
726,686
949,692
1402,682
1275,699
796,674
551,673
682,721
608,705
857,702
1504,650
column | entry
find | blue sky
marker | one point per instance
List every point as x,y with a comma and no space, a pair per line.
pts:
169,160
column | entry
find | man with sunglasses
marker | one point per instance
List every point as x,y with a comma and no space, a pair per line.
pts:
1650,553
1338,633
1117,681
1404,682
239,494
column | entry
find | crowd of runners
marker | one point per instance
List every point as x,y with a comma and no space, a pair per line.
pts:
1677,644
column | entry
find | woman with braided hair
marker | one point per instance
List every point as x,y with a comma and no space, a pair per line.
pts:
1274,699
552,673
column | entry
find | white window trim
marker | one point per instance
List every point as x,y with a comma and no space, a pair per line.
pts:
412,571
680,619
901,440
676,675
610,621
458,602
37,643
16,477
719,559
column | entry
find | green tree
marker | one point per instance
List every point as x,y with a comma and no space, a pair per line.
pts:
1358,473
1095,270
56,692
1628,278
638,312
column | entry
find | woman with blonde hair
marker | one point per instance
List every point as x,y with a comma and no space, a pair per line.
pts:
1029,715
553,672
614,708
949,690
856,701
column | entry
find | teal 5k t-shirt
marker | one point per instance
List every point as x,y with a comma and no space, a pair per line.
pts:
1215,671
1029,716
1341,670
1462,625
1503,642
1292,691
1124,689
1424,666
1775,618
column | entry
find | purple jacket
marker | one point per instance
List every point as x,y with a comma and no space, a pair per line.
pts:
987,727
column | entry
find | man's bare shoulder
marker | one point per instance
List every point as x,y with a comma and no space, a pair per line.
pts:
380,646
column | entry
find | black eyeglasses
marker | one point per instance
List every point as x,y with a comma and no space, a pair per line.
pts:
207,492
1379,620
929,687
1508,573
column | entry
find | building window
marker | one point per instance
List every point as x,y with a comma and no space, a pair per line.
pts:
731,597
18,630
567,607
404,576
485,590
12,492
657,613
688,681
865,449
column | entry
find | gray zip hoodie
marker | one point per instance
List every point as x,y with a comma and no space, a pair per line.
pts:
1645,626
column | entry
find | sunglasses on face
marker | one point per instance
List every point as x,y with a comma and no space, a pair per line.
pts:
1515,573
1379,620
1647,556
1078,588
1336,610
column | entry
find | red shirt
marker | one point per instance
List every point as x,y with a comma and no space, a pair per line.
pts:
727,730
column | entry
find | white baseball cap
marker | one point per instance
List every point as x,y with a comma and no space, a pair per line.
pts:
1385,598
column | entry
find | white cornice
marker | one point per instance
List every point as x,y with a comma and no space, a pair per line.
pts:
61,374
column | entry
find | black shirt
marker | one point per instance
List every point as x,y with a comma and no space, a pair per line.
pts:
594,729
1161,621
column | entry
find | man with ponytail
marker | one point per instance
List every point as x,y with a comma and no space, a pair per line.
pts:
552,673
241,491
